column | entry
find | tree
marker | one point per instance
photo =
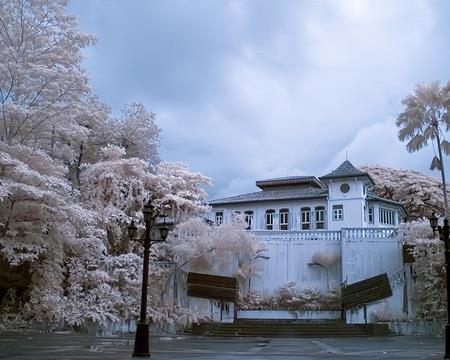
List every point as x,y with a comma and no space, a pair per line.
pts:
72,177
420,194
44,91
429,269
227,248
424,119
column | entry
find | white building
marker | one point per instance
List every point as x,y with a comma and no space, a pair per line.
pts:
303,215
340,199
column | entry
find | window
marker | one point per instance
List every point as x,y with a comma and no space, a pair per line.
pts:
345,188
269,219
338,212
370,212
284,219
306,218
249,219
320,216
236,216
386,216
219,217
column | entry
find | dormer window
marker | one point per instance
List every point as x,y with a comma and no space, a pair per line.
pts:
284,219
269,219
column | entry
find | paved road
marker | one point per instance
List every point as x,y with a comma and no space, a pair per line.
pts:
64,346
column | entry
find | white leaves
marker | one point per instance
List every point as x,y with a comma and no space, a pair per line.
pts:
420,194
112,152
227,248
425,114
326,258
65,197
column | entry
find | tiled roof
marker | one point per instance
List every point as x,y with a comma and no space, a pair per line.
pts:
372,197
270,195
346,169
289,181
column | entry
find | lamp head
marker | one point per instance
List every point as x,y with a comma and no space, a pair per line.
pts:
164,228
148,212
433,222
132,230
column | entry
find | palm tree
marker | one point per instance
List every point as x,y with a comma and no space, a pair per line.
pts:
426,115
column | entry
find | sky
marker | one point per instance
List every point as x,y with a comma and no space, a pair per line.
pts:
253,89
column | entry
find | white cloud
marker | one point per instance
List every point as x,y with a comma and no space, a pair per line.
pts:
254,89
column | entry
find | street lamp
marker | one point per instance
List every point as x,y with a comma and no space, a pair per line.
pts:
141,342
444,232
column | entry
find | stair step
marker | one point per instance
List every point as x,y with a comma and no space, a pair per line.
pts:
280,328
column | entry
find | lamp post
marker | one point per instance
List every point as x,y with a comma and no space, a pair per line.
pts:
444,232
141,342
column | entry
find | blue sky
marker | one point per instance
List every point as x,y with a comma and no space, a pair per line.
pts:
246,90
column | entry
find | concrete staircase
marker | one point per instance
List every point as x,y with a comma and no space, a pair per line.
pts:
284,328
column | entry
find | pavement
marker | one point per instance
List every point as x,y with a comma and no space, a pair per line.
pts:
31,345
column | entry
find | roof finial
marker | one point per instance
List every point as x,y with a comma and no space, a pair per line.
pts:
346,155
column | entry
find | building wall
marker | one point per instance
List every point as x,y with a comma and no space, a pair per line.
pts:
367,253
259,211
352,201
291,261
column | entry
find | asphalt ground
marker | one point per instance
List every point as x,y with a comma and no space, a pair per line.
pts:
30,345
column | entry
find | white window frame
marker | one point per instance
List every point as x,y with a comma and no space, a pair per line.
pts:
284,219
248,219
219,218
386,216
269,219
320,217
305,217
370,213
338,212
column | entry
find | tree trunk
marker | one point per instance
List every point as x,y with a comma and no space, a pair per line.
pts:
444,184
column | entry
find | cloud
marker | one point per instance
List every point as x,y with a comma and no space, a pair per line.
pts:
245,90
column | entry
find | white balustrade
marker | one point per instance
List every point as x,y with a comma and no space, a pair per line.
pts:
299,235
359,233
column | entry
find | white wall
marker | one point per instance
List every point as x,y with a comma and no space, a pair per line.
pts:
291,261
353,203
367,254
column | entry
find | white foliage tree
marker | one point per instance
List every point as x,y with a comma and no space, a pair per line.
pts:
72,177
426,119
201,247
44,91
421,195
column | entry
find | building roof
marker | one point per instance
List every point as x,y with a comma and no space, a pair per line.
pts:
290,181
371,197
345,170
270,195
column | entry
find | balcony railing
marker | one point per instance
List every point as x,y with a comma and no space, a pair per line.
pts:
348,233
299,235
358,233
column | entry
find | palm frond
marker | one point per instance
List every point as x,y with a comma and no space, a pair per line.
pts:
435,164
430,132
445,145
416,143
